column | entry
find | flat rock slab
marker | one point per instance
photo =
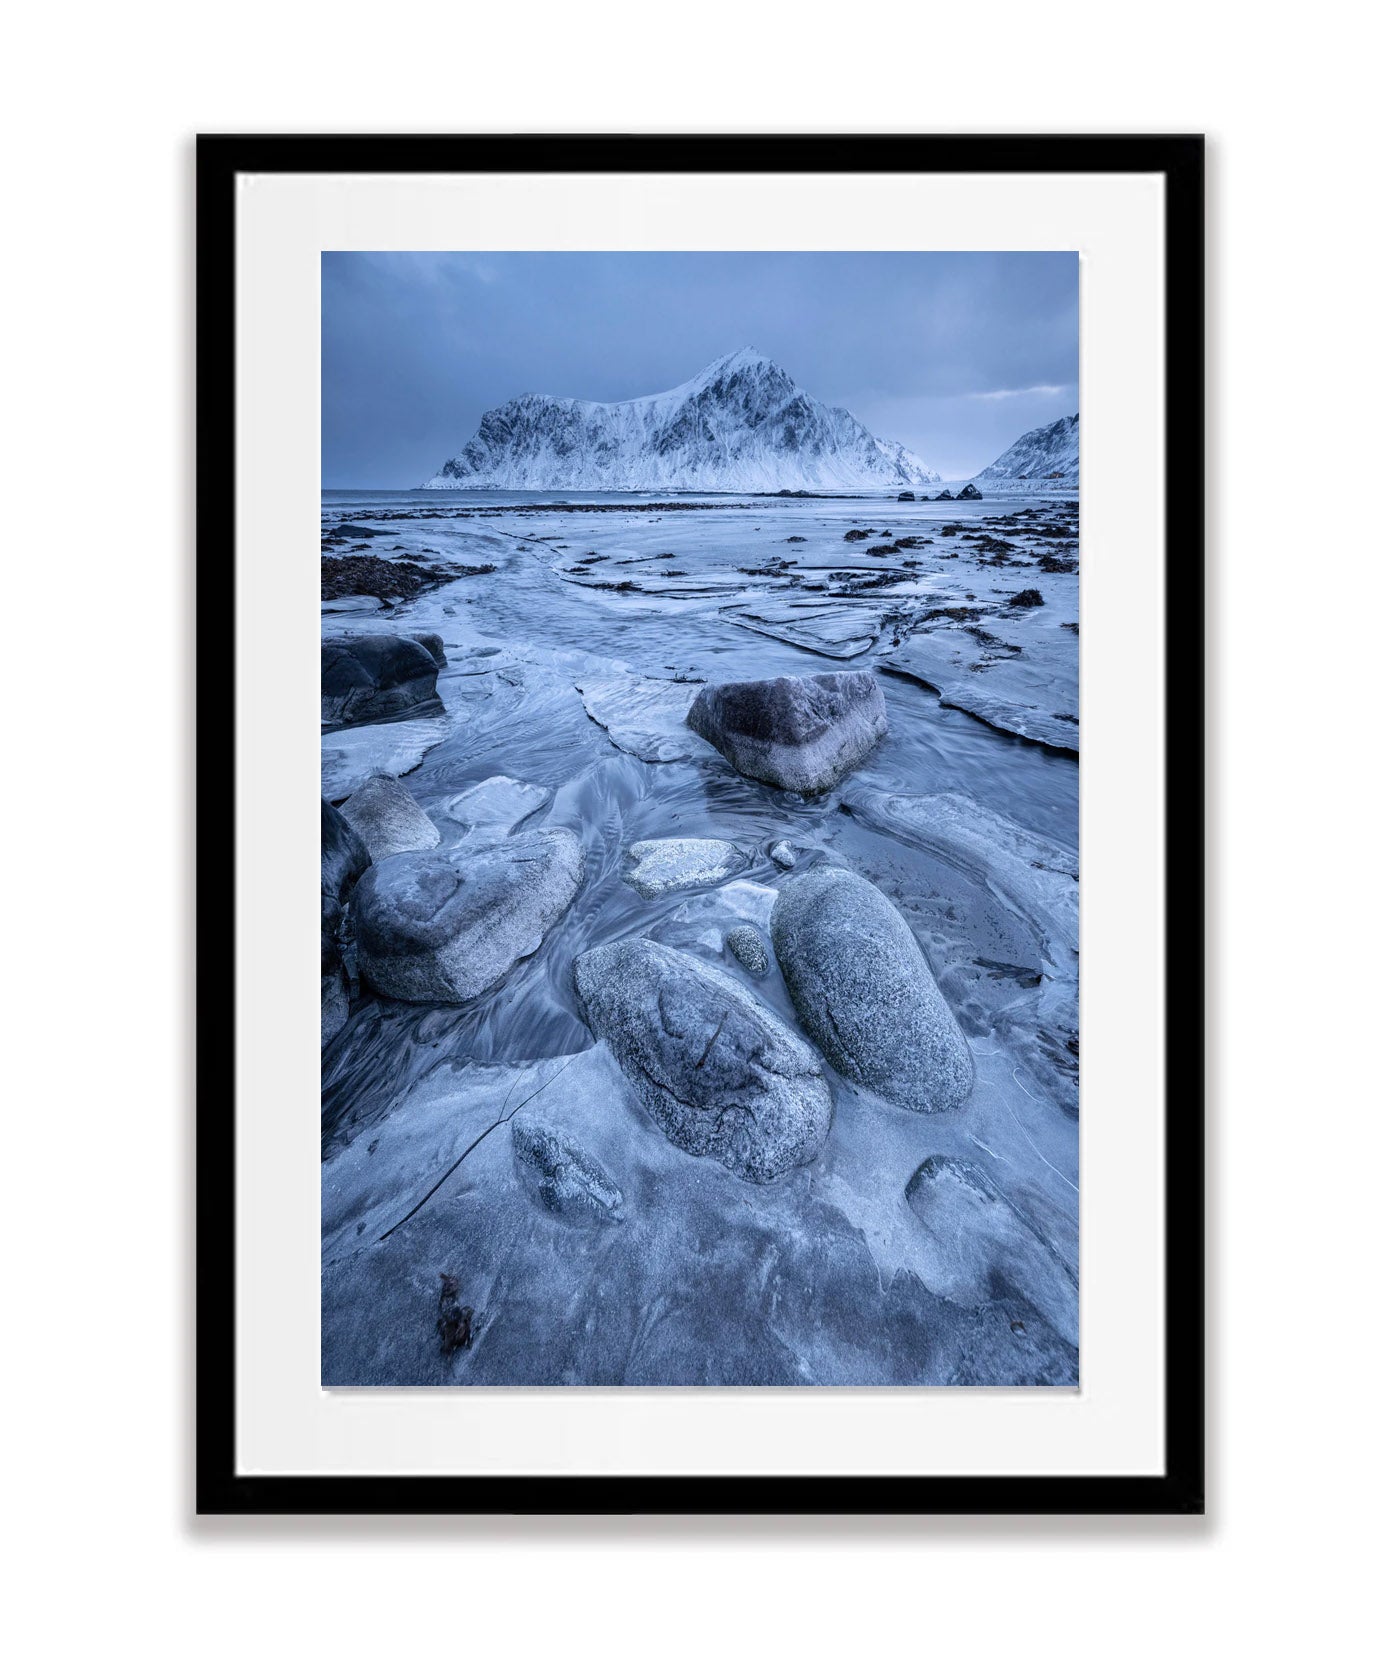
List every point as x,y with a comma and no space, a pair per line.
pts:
388,818
445,926
716,1070
497,805
799,733
654,867
390,749
837,632
643,716
1033,694
863,989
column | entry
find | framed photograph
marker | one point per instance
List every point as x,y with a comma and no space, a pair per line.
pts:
758,1072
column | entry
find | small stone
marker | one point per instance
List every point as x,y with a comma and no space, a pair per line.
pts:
746,942
565,1179
783,855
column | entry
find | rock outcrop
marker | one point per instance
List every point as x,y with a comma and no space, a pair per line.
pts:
445,926
718,1072
864,991
799,733
365,678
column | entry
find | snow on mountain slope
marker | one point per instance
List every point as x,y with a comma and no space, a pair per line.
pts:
1048,452
741,424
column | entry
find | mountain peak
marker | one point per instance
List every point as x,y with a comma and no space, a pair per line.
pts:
1047,452
737,361
740,424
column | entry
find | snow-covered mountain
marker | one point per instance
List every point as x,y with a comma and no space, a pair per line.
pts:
1048,452
742,424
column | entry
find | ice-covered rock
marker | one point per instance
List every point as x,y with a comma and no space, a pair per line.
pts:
644,716
783,854
746,942
717,1071
343,860
799,733
368,677
563,1178
985,1246
388,818
654,867
497,805
445,926
969,493
390,749
864,991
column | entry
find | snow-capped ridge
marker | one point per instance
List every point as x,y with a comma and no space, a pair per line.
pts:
740,424
1047,453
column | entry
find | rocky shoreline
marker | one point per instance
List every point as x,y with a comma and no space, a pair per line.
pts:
779,1060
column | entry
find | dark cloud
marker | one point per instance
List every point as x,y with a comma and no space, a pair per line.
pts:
954,354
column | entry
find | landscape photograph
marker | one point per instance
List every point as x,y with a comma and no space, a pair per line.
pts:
700,819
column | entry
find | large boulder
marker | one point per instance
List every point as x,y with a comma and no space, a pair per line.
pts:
443,927
364,678
864,991
388,818
969,493
800,733
718,1073
343,860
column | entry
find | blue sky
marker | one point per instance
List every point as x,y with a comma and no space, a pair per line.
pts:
953,353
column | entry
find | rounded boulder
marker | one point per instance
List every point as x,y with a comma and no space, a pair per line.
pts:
864,991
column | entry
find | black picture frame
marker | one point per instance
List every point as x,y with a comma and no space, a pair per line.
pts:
1179,160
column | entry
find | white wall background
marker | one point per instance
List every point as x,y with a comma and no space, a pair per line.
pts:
1286,1575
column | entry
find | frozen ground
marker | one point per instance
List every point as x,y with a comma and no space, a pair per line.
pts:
570,669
